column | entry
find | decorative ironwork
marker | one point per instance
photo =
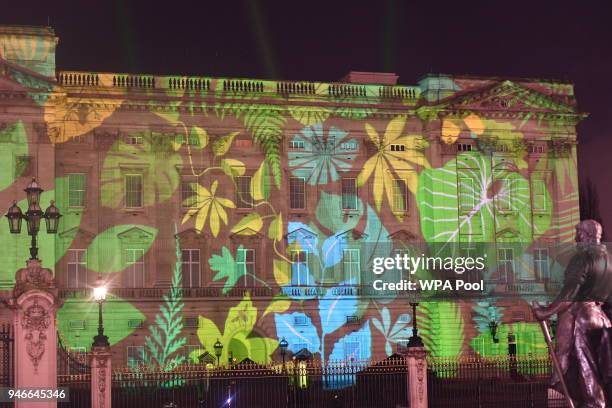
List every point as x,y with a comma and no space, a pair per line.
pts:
7,363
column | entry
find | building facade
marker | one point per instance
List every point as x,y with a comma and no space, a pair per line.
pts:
246,210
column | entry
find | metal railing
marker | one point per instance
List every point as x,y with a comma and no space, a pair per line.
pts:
500,382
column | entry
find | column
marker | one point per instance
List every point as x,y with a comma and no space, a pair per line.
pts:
417,376
101,377
34,304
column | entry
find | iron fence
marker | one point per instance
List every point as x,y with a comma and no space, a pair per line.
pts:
499,382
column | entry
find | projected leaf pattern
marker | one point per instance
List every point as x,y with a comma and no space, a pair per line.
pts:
469,198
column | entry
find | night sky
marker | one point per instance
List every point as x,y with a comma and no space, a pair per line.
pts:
322,40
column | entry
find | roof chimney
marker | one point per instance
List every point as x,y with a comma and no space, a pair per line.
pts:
378,78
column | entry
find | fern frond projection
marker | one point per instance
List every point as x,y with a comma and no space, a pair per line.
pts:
442,328
164,342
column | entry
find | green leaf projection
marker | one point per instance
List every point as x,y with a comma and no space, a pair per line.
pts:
165,342
107,249
284,194
13,153
153,158
473,196
77,321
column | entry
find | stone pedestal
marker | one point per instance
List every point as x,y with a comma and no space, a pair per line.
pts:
101,380
417,376
34,304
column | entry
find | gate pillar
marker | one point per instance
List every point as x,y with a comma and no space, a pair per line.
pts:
101,380
34,304
417,376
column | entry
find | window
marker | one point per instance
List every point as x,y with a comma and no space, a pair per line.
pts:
505,263
536,148
351,265
403,273
464,147
244,199
352,350
191,268
400,196
245,265
297,193
540,263
473,275
133,190
135,268
299,267
76,190
189,191
297,145
135,356
134,139
505,195
77,268
538,191
467,195
349,194
348,146
503,148
398,148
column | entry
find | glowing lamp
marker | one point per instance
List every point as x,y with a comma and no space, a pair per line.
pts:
14,216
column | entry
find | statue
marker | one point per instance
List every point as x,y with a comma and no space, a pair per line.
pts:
584,349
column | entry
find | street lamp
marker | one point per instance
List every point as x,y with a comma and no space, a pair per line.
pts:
99,295
415,340
283,344
218,351
33,216
493,329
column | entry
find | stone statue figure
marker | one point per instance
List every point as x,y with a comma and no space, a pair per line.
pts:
584,347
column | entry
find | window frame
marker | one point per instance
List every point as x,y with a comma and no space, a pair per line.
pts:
141,351
538,260
404,193
246,277
130,268
346,195
78,263
127,192
505,263
194,192
82,192
296,260
241,202
293,194
190,263
355,260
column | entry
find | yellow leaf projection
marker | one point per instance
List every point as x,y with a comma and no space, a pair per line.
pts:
450,132
233,168
70,118
474,123
237,337
207,203
249,225
222,145
275,231
282,272
394,159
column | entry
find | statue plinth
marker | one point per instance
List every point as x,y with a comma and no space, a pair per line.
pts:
416,361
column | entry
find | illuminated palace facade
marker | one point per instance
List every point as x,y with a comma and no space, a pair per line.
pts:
247,210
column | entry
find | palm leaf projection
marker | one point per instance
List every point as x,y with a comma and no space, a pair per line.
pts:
164,342
265,122
441,325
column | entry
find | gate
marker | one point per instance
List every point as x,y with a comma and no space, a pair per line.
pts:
74,373
7,363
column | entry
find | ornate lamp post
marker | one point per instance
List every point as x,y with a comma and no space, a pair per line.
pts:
493,329
218,351
33,216
283,344
415,340
99,295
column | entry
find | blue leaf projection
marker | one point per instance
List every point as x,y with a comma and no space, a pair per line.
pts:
393,334
333,250
322,156
355,346
334,307
298,330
